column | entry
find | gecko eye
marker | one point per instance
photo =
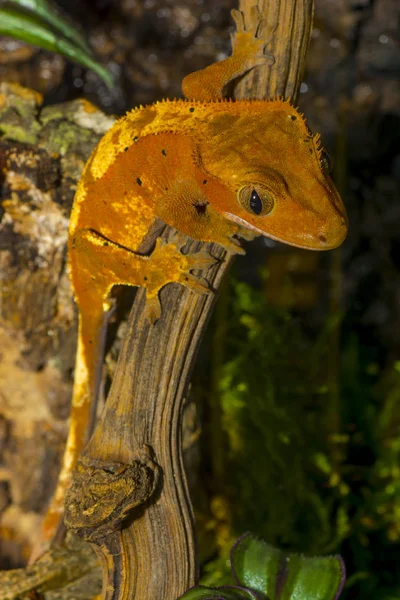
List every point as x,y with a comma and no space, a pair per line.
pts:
326,161
256,199
255,203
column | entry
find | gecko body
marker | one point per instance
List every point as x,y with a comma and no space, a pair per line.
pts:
210,168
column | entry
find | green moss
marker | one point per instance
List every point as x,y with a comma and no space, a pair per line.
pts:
18,113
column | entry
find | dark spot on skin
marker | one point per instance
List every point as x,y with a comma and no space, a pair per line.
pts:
191,109
105,243
135,139
166,189
144,278
204,182
293,117
163,152
201,208
310,151
306,140
322,238
139,181
126,149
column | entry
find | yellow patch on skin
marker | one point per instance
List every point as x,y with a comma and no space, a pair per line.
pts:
121,136
80,195
126,229
104,154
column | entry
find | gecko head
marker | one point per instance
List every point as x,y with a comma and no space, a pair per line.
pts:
275,175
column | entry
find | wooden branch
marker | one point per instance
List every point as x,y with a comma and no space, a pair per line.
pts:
153,556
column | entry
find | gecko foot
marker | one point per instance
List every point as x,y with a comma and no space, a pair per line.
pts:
246,38
200,260
167,264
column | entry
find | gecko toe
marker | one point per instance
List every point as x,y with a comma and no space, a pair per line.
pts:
232,245
202,260
152,309
238,18
195,284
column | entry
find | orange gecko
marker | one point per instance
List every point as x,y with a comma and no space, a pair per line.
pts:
212,169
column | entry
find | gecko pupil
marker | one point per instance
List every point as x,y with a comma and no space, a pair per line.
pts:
255,203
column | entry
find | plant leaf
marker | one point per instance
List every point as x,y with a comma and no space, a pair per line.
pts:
49,13
29,28
283,576
221,593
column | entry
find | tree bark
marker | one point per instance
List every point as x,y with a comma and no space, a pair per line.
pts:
42,154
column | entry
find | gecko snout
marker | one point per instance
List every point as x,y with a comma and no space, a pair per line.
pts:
332,233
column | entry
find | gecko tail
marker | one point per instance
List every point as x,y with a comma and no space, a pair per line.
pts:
87,377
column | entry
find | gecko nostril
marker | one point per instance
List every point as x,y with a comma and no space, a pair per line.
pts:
322,238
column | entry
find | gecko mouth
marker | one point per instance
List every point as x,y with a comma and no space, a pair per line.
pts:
246,229
322,243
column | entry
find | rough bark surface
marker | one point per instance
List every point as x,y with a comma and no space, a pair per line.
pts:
42,153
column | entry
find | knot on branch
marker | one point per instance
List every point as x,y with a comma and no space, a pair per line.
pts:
103,494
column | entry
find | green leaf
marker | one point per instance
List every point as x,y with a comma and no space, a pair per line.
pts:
46,11
31,29
286,576
221,593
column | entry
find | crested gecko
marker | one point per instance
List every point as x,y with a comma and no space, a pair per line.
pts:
212,169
